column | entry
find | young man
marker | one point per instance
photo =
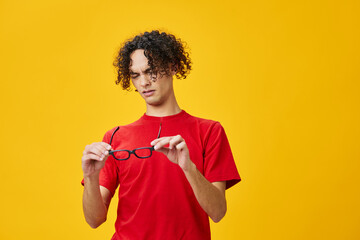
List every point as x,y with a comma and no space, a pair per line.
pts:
172,168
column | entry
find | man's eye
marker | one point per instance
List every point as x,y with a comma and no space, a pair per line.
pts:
134,76
152,74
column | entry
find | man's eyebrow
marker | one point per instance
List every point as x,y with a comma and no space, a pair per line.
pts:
146,71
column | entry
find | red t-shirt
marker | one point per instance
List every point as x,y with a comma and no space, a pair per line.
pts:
155,199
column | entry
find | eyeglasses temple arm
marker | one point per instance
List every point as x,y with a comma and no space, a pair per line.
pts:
159,131
112,135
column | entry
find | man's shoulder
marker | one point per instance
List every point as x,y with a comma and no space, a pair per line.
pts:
204,122
122,127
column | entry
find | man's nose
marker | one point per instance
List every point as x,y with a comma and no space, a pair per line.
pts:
144,80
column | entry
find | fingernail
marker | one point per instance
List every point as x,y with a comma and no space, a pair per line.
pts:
108,147
155,147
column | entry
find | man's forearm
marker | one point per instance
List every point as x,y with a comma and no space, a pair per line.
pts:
95,210
210,198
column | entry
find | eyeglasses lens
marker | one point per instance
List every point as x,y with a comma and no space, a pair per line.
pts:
121,154
146,152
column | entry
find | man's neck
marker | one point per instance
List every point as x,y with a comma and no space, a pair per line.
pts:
171,108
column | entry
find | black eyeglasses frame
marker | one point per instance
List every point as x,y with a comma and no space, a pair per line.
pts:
112,152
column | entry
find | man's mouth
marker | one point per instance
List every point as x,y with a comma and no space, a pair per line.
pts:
148,93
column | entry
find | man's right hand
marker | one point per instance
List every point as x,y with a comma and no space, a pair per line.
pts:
94,157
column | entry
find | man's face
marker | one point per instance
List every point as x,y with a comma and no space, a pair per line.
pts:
154,91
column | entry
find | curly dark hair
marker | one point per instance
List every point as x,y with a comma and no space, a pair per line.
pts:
164,53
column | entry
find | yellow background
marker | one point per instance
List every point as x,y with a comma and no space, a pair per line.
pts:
281,76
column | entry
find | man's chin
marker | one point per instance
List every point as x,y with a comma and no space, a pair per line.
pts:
153,102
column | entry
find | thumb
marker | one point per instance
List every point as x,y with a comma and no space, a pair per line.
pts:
163,150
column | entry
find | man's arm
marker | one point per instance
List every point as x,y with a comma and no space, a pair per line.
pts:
211,196
96,199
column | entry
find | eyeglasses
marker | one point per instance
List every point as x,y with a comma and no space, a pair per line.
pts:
123,154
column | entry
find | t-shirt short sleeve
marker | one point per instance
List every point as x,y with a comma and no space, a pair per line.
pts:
108,177
219,164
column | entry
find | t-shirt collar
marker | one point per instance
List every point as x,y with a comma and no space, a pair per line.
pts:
181,114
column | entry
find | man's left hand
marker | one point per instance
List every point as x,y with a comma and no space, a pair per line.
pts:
177,150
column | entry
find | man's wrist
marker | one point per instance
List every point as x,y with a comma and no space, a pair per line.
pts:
190,168
92,178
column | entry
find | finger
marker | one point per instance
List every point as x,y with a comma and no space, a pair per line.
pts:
103,151
155,141
95,149
88,148
175,141
162,142
163,150
91,156
181,146
106,145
